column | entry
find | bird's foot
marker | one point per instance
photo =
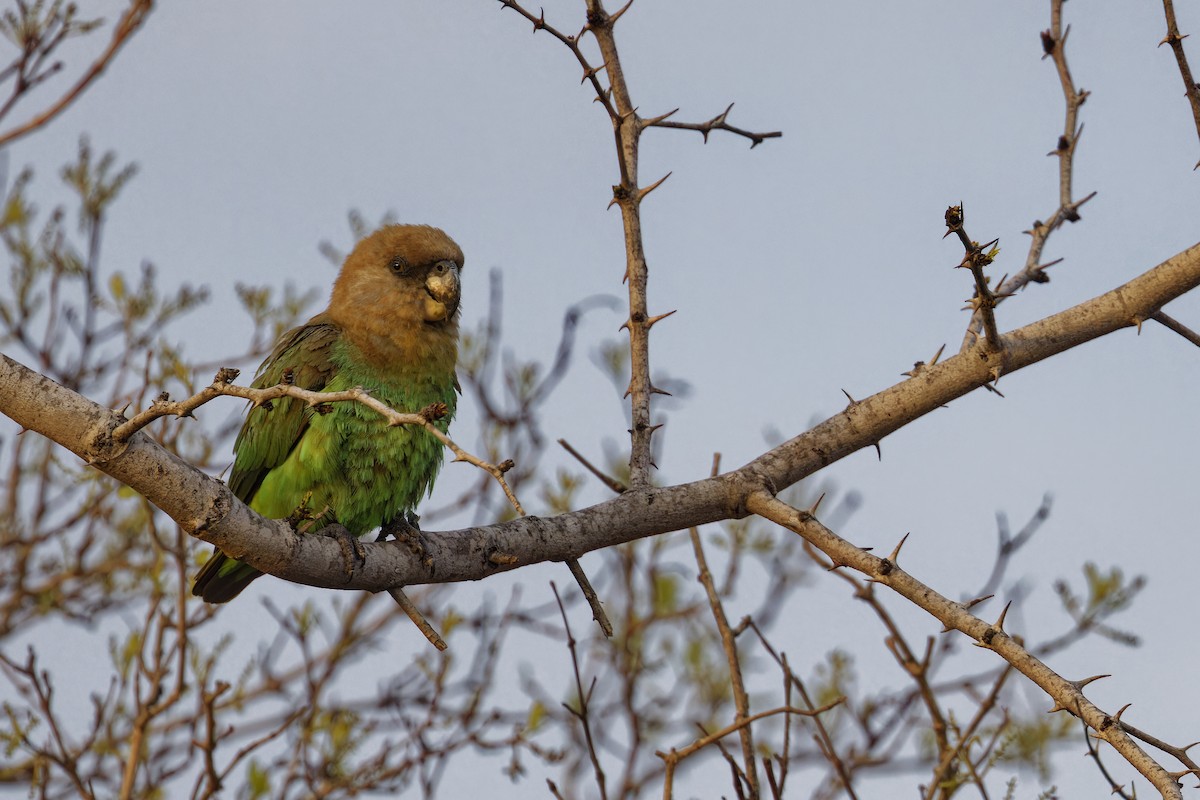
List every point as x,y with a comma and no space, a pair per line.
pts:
406,529
353,554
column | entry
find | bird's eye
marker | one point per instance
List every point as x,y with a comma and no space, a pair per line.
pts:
398,265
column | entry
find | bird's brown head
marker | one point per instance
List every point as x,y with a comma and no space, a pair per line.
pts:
399,288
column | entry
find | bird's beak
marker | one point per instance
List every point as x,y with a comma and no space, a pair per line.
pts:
443,288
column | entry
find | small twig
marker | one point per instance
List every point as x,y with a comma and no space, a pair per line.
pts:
675,756
1094,755
984,302
717,123
221,387
125,27
612,483
418,618
1189,84
1177,326
572,44
965,736
729,643
590,595
824,739
581,713
1179,753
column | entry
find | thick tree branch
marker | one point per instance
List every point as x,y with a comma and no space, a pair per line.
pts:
206,508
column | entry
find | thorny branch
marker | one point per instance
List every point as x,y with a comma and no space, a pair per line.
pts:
1054,41
1174,39
717,123
628,196
984,300
1067,695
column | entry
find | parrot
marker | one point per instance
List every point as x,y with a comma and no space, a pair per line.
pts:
392,328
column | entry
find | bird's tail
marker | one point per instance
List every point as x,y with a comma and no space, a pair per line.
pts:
222,578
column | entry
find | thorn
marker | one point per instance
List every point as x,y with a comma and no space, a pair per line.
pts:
650,322
1000,622
895,556
1117,716
1082,682
591,72
1179,775
1138,322
853,402
643,192
937,355
612,20
655,390
812,510
878,450
647,123
972,603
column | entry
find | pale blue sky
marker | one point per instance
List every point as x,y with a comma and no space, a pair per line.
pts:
813,263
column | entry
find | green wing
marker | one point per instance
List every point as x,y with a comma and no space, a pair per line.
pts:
269,434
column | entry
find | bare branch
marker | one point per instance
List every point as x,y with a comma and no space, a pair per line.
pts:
1174,39
125,27
717,123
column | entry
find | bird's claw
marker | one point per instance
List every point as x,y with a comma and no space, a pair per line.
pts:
353,553
406,529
